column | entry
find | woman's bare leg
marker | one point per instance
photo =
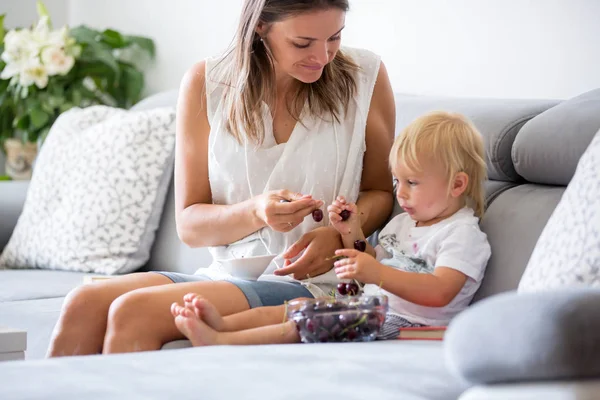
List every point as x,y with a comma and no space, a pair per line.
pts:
200,334
82,322
141,320
123,314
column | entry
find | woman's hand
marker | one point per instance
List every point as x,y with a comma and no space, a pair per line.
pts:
283,210
320,244
358,265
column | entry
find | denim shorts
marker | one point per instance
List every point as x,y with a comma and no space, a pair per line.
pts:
258,293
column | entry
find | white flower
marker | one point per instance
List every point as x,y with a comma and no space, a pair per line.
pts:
18,46
59,37
33,72
41,32
56,61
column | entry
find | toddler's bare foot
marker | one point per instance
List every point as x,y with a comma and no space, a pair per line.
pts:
193,327
204,310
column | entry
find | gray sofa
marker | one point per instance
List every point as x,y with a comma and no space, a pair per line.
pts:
532,149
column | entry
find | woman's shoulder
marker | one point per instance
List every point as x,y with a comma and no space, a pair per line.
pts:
195,75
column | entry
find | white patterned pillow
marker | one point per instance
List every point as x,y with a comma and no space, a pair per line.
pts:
97,192
568,251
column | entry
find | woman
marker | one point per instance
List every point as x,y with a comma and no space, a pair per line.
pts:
281,123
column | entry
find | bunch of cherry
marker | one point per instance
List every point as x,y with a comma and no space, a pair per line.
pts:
352,319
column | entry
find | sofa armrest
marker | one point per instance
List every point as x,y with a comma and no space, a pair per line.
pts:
12,199
527,337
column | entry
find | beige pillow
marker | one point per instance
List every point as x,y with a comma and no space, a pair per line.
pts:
97,192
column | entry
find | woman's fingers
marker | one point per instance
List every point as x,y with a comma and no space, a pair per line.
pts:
290,207
295,249
300,268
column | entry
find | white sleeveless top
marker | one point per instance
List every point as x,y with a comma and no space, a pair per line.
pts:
321,158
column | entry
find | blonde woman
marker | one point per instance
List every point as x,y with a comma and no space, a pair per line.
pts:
430,260
283,122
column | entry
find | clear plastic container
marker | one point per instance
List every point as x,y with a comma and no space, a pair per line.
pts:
342,319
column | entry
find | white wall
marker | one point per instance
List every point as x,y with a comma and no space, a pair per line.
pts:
22,13
499,48
493,48
184,31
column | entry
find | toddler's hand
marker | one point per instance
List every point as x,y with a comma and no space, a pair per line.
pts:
357,265
337,209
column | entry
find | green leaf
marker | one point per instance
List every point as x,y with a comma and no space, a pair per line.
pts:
2,29
54,101
39,118
146,44
5,178
95,54
83,34
76,97
113,39
133,82
22,122
66,107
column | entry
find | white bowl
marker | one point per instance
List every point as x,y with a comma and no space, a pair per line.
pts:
249,268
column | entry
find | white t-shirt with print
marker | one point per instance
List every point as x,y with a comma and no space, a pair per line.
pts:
456,242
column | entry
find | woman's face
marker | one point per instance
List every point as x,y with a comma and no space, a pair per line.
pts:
304,44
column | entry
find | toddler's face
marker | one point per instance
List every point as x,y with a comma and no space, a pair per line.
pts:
424,194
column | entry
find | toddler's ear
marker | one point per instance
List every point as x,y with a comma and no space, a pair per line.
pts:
459,186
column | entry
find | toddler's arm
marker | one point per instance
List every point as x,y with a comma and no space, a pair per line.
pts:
345,218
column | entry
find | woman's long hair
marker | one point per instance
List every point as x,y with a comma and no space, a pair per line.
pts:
248,73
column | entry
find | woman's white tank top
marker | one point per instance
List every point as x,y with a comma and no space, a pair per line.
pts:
321,158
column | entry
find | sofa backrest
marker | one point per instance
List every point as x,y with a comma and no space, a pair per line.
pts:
532,148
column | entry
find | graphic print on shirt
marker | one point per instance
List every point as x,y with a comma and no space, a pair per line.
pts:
400,259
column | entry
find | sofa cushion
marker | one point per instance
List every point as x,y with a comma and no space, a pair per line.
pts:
37,284
567,252
527,337
97,192
498,121
513,222
382,370
549,146
163,99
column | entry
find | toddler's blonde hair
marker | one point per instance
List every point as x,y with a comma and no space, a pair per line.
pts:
453,141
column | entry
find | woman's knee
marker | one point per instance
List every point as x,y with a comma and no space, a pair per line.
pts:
83,302
128,313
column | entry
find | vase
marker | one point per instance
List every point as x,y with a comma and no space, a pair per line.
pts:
19,158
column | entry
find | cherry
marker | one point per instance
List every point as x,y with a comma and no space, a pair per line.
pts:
351,335
360,245
345,214
341,288
317,215
351,289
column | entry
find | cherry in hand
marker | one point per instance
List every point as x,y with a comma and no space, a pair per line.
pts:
345,214
360,245
317,215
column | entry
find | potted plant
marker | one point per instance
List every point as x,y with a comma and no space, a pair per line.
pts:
46,71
